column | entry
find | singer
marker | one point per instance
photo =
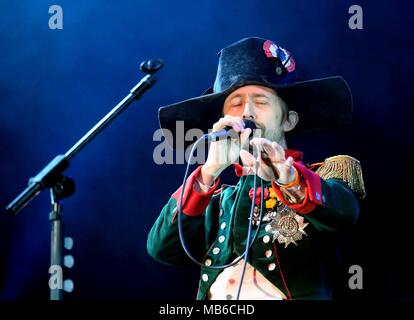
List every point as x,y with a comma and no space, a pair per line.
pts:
300,211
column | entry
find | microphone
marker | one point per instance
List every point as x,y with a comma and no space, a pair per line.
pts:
151,66
227,131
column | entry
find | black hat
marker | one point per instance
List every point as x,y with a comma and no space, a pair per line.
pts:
324,103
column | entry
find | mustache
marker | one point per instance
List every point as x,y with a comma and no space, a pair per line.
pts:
257,124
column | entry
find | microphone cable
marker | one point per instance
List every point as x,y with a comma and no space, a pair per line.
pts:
249,242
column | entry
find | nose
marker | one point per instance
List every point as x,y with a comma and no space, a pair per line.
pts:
248,112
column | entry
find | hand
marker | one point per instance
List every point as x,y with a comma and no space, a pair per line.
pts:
223,153
272,164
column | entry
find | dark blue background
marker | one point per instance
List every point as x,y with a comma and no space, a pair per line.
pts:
55,84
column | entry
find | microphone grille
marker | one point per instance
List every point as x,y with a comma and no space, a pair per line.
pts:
249,124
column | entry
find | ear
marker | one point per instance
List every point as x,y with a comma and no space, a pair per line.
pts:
291,121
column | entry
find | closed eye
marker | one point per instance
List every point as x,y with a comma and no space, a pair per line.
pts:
237,102
261,102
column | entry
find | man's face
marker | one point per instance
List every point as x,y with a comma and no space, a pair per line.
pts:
260,104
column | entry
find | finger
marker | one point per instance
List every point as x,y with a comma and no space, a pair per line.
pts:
258,143
265,162
244,136
247,158
227,122
238,120
264,148
286,173
268,150
279,152
234,123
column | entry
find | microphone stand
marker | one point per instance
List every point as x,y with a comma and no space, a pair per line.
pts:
51,176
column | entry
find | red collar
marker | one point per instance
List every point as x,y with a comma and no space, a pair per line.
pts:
295,154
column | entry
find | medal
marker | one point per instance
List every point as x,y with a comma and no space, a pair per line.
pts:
270,202
283,223
287,226
270,215
256,216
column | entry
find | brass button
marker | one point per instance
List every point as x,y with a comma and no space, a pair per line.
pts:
216,250
268,253
271,267
208,262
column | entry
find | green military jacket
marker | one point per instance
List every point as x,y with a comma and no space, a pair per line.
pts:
217,234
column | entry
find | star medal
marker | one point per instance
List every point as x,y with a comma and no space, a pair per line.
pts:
287,226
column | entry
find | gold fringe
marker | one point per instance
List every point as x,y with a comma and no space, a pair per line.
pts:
346,168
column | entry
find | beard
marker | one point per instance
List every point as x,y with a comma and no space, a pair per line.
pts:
273,134
276,135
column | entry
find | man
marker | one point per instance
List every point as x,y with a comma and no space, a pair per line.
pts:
304,213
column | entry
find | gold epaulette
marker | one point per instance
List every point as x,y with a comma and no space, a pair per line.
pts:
346,168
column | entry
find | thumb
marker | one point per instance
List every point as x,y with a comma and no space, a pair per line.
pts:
289,162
